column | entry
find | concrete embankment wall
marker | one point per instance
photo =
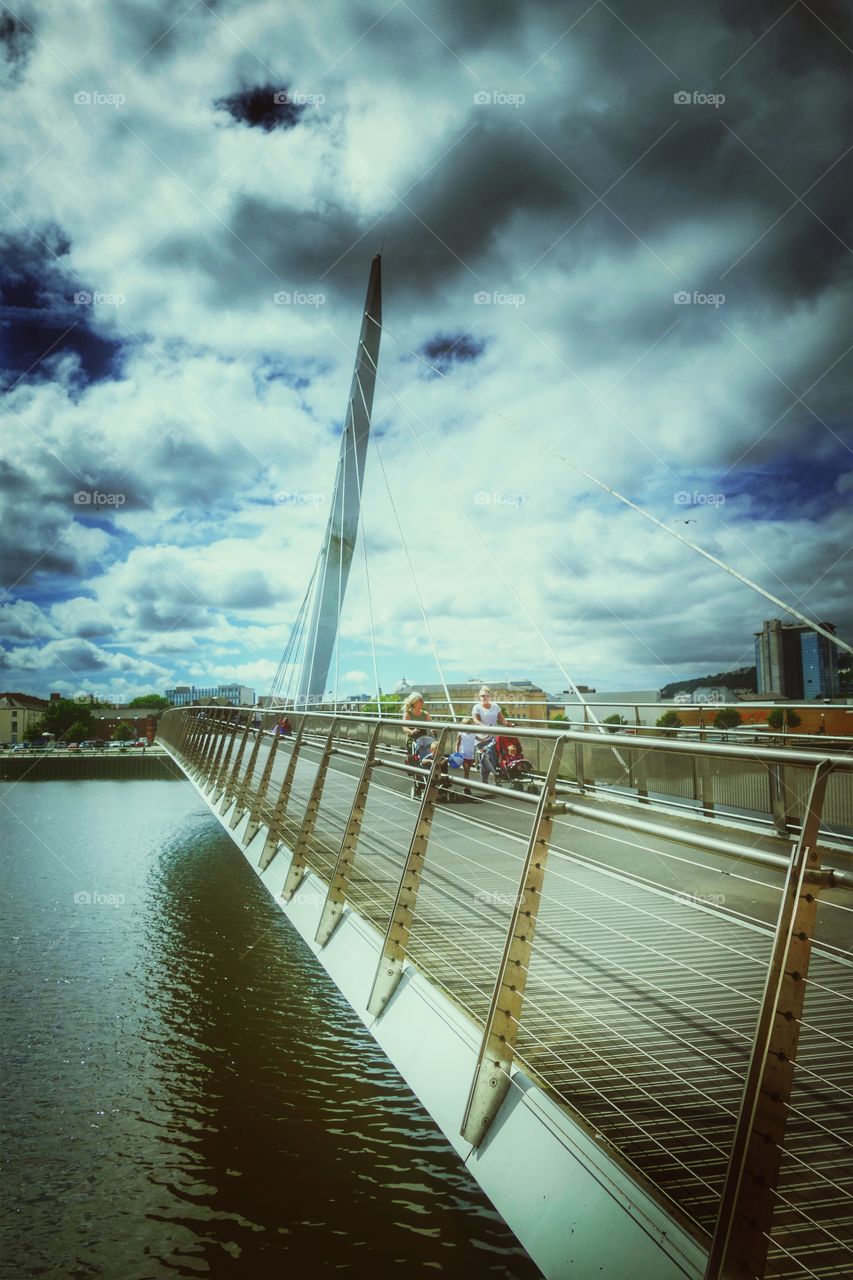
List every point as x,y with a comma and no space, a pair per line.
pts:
59,766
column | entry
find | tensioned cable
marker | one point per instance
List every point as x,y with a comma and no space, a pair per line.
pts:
325,554
721,564
293,640
488,552
408,558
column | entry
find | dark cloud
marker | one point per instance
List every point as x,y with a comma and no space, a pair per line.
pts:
46,314
264,107
445,350
17,40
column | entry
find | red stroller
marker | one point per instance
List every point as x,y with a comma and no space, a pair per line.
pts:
513,767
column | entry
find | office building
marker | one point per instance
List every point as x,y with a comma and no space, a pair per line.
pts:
185,695
793,661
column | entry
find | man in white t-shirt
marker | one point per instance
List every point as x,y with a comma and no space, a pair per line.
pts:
487,713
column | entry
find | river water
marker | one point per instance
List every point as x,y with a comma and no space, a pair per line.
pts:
184,1092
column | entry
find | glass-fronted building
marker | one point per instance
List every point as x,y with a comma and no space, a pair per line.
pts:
185,695
820,667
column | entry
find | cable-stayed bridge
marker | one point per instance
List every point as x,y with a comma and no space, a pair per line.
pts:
633,1024
624,993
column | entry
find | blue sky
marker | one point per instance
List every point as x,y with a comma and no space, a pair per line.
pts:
619,231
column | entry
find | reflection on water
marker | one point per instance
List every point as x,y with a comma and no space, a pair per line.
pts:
185,1092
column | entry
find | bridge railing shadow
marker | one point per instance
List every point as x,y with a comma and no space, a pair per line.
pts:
684,992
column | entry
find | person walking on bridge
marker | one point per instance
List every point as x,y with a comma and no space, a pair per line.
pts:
414,710
487,713
417,736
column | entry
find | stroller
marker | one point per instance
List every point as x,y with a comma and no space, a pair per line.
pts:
419,754
512,765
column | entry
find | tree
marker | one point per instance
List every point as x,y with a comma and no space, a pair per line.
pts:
562,717
616,721
150,700
390,705
727,718
669,720
79,731
123,732
63,716
779,715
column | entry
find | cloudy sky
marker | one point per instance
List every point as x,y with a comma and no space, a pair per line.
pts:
613,235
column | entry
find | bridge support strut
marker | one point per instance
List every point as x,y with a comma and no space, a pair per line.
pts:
497,1051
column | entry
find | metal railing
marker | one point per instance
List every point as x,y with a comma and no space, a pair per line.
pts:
686,994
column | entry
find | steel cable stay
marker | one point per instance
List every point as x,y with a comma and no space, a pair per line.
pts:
404,544
507,581
606,488
286,665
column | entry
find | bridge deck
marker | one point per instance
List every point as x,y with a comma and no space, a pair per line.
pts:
642,997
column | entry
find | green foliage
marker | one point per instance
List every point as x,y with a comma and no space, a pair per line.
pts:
561,717
123,732
727,718
78,732
669,720
779,715
150,700
616,721
391,705
63,716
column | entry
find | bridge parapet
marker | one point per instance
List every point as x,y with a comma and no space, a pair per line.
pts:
684,994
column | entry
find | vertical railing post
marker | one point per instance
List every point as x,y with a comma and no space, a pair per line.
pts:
580,766
225,767
641,776
208,749
395,942
186,738
298,864
337,896
199,741
229,789
254,824
177,735
223,722
497,1050
703,785
745,1216
778,799
271,843
241,801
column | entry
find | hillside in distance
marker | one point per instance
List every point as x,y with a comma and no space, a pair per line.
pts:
741,678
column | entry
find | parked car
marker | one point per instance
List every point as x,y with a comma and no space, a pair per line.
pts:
74,746
100,745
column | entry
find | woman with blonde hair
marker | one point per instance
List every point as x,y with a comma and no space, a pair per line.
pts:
418,735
